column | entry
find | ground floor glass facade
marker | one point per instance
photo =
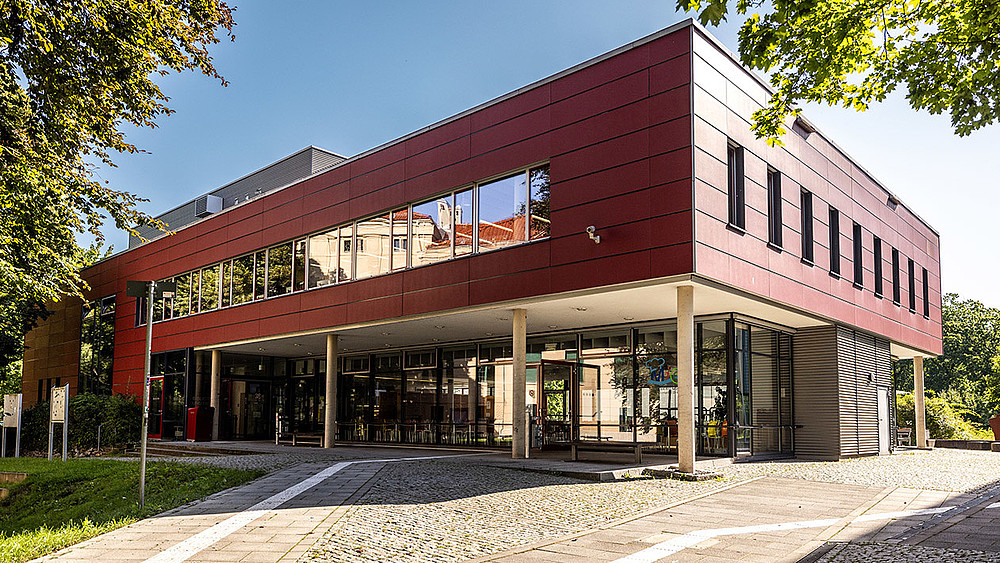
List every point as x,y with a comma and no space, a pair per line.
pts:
616,384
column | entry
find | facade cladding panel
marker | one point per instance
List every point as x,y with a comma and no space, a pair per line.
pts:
624,152
616,135
725,97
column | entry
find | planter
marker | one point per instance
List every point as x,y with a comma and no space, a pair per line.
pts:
995,426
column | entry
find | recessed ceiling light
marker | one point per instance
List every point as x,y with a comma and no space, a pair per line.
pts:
296,344
309,353
489,334
387,345
438,326
436,339
502,319
581,309
628,318
386,333
260,349
553,326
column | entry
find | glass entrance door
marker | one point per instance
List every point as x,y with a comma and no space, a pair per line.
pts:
155,429
556,402
249,408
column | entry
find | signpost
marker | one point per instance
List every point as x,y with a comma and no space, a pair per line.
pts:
11,419
150,290
59,414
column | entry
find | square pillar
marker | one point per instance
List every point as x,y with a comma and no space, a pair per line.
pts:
216,391
685,379
330,421
919,416
519,442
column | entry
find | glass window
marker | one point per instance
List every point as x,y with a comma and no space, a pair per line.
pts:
356,364
279,269
458,388
323,258
430,240
926,286
464,221
243,279
97,344
501,212
227,283
421,401
421,359
373,247
182,298
400,218
859,268
605,343
299,266
346,262
539,179
834,241
774,224
657,339
210,278
195,291
806,204
877,249
737,198
260,274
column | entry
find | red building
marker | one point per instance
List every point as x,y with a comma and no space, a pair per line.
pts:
609,248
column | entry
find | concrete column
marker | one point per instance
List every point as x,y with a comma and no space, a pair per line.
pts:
519,442
330,422
919,416
685,379
198,379
216,391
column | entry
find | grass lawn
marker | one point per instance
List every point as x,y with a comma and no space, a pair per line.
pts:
64,503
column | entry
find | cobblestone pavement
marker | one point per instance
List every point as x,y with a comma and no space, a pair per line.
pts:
440,512
478,506
881,552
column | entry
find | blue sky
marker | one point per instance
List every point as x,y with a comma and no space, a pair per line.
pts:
348,76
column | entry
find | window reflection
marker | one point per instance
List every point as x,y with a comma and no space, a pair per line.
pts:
346,239
323,258
464,223
539,179
182,297
400,242
430,240
260,275
243,279
279,269
227,283
501,212
210,288
373,247
299,266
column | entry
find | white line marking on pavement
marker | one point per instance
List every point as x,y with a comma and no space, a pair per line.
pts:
690,539
198,542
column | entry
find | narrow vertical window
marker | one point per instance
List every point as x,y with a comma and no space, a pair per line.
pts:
877,248
912,287
806,205
774,207
895,276
834,241
737,200
927,301
859,265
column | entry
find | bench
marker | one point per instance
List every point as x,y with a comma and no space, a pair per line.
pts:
903,434
602,446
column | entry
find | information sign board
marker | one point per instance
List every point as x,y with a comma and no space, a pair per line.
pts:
57,408
12,410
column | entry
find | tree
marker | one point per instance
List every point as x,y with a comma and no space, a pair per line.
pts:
71,75
968,370
856,52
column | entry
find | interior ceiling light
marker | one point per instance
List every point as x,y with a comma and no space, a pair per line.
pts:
502,319
296,344
436,339
260,349
581,309
553,326
438,326
386,333
489,334
628,318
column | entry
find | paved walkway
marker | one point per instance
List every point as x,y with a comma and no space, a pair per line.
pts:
404,504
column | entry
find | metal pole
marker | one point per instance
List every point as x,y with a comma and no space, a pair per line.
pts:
17,439
66,422
145,395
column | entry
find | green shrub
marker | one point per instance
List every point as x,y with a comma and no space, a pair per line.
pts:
119,416
945,420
